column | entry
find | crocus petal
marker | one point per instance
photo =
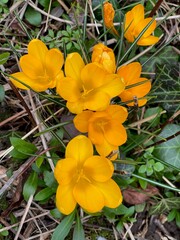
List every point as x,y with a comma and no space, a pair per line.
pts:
105,148
138,14
96,101
93,76
138,91
98,168
79,148
38,85
58,80
129,26
37,49
31,66
111,192
81,121
88,196
22,77
76,107
115,133
142,25
104,56
69,89
113,85
73,66
95,133
148,41
142,89
117,113
65,201
53,62
130,72
108,14
64,170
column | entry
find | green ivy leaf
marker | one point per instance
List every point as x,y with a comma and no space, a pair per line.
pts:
33,17
169,151
166,89
64,227
167,56
151,111
30,185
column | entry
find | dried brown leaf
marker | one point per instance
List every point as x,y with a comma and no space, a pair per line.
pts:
138,196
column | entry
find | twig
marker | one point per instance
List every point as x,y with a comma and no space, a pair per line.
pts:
170,184
24,216
12,118
47,19
40,127
9,228
155,8
63,5
146,119
4,153
128,230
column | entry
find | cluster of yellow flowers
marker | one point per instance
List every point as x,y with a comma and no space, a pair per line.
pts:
84,178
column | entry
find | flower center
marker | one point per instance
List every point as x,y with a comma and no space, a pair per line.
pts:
80,175
85,92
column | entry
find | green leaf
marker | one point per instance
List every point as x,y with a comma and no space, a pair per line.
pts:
39,161
78,233
142,169
4,1
2,93
143,183
49,179
140,207
44,3
33,16
128,169
149,170
3,233
169,151
158,167
64,227
4,57
30,185
178,219
51,33
120,210
171,216
22,148
56,213
164,205
43,194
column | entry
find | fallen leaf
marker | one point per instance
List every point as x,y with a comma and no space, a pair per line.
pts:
137,196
